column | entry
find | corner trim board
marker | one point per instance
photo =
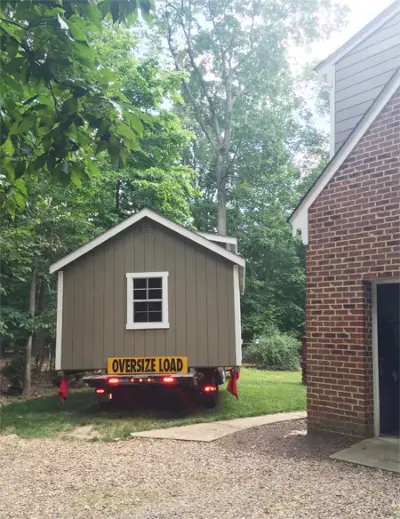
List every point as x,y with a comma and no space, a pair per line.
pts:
238,324
60,296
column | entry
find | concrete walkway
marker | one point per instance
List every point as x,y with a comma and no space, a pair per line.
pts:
210,431
379,453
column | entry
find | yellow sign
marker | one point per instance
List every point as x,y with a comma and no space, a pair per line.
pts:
143,365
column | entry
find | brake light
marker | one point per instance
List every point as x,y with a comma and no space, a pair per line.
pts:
100,390
209,389
168,380
113,380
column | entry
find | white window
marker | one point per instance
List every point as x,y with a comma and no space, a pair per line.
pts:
147,300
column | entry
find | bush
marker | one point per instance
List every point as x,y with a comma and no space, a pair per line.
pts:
274,351
12,375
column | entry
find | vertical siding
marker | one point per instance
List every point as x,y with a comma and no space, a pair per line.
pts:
200,302
88,310
361,75
212,310
191,304
129,338
201,310
99,357
170,347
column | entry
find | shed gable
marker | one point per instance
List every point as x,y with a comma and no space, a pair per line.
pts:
200,295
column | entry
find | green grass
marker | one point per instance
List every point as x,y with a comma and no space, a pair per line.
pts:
260,392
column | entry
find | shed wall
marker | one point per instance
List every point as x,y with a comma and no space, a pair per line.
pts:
200,301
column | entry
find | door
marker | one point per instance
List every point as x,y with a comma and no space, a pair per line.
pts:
388,320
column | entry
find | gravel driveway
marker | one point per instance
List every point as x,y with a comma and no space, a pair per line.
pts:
252,474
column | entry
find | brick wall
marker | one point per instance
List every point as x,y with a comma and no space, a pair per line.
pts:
354,236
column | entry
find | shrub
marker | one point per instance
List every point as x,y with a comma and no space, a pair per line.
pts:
12,374
274,351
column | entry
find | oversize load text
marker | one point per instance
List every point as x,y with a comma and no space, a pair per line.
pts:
147,365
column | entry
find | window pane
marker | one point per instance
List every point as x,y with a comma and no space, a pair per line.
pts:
155,317
141,307
140,317
155,307
155,282
155,294
140,294
139,283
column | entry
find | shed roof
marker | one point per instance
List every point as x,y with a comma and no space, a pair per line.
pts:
165,222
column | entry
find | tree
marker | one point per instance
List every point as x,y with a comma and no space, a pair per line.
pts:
58,218
61,110
235,58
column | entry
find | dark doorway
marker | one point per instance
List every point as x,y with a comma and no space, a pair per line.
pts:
388,307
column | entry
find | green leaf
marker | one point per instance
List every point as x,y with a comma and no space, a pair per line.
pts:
77,28
115,10
20,200
20,169
27,124
70,106
8,147
124,131
136,123
21,186
93,15
76,178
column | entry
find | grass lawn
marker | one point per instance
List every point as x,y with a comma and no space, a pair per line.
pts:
260,392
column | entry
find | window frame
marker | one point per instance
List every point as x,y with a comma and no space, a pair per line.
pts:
130,324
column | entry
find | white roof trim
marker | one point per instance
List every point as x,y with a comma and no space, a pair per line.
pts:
147,213
219,237
359,37
299,217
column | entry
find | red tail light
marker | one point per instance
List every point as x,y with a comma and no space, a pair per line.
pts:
209,389
168,380
113,380
100,390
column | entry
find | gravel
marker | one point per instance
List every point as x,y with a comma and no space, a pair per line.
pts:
272,472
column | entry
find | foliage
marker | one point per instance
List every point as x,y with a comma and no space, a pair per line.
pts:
12,374
61,109
274,351
235,59
57,218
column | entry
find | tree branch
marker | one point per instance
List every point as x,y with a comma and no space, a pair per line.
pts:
186,88
197,72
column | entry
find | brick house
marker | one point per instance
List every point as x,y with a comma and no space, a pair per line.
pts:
350,221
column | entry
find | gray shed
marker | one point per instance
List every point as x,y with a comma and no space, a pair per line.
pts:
150,287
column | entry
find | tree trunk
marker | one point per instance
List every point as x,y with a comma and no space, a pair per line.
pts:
28,349
221,196
41,339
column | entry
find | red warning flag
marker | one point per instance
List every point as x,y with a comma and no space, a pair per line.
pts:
63,390
232,384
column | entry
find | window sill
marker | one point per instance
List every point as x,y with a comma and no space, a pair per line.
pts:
147,326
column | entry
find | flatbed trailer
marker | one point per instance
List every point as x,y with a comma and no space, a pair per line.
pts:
204,383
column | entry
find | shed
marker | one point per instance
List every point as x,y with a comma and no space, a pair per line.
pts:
150,287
